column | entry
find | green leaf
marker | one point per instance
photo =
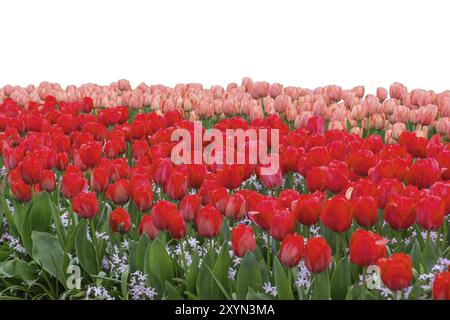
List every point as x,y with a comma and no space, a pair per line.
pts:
416,255
85,250
58,225
429,256
47,251
19,269
248,276
340,280
220,285
172,292
204,278
141,247
40,214
191,277
160,263
321,286
284,288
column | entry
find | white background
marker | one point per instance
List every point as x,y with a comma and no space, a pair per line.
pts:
298,43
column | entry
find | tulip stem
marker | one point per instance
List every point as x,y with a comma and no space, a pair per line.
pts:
268,250
364,284
183,260
93,236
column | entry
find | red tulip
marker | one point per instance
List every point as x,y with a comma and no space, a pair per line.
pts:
387,189
361,161
308,208
400,212
231,175
442,189
316,124
291,250
366,248
91,154
12,157
189,207
396,271
162,170
21,190
263,213
365,210
31,170
85,205
99,179
177,226
337,214
146,226
287,198
316,179
208,221
120,221
142,197
161,213
441,286
119,192
272,180
73,182
283,223
242,240
48,181
235,207
430,212
317,255
176,186
197,173
423,173
219,197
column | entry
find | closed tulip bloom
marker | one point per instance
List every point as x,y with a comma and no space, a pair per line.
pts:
442,190
382,94
12,157
31,170
21,190
177,226
397,90
235,207
400,212
99,179
161,213
219,197
423,173
209,222
146,226
401,113
91,154
430,212
308,208
283,222
72,183
120,221
270,180
48,181
316,124
366,248
176,185
316,178
189,207
426,114
85,205
291,250
441,286
317,255
365,211
242,240
119,192
142,196
396,271
263,213
197,173
337,214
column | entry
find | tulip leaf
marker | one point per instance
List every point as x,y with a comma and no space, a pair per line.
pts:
321,289
220,285
340,280
47,251
19,269
85,249
284,288
192,273
204,278
40,215
172,292
416,255
160,263
248,276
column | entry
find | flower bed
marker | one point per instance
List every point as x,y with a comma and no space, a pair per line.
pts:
95,205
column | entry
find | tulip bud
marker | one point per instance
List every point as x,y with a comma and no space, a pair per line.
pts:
242,240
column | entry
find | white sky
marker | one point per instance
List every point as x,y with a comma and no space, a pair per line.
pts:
303,43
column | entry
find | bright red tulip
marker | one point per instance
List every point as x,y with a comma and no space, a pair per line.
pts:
441,286
21,190
317,255
396,271
85,205
430,212
31,170
208,221
235,207
142,197
177,226
72,183
366,248
48,181
283,223
242,240
291,250
337,214
189,207
400,212
99,179
120,221
161,213
91,154
119,192
146,226
365,211
176,186
423,173
308,208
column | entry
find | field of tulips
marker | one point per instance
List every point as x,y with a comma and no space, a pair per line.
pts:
94,207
